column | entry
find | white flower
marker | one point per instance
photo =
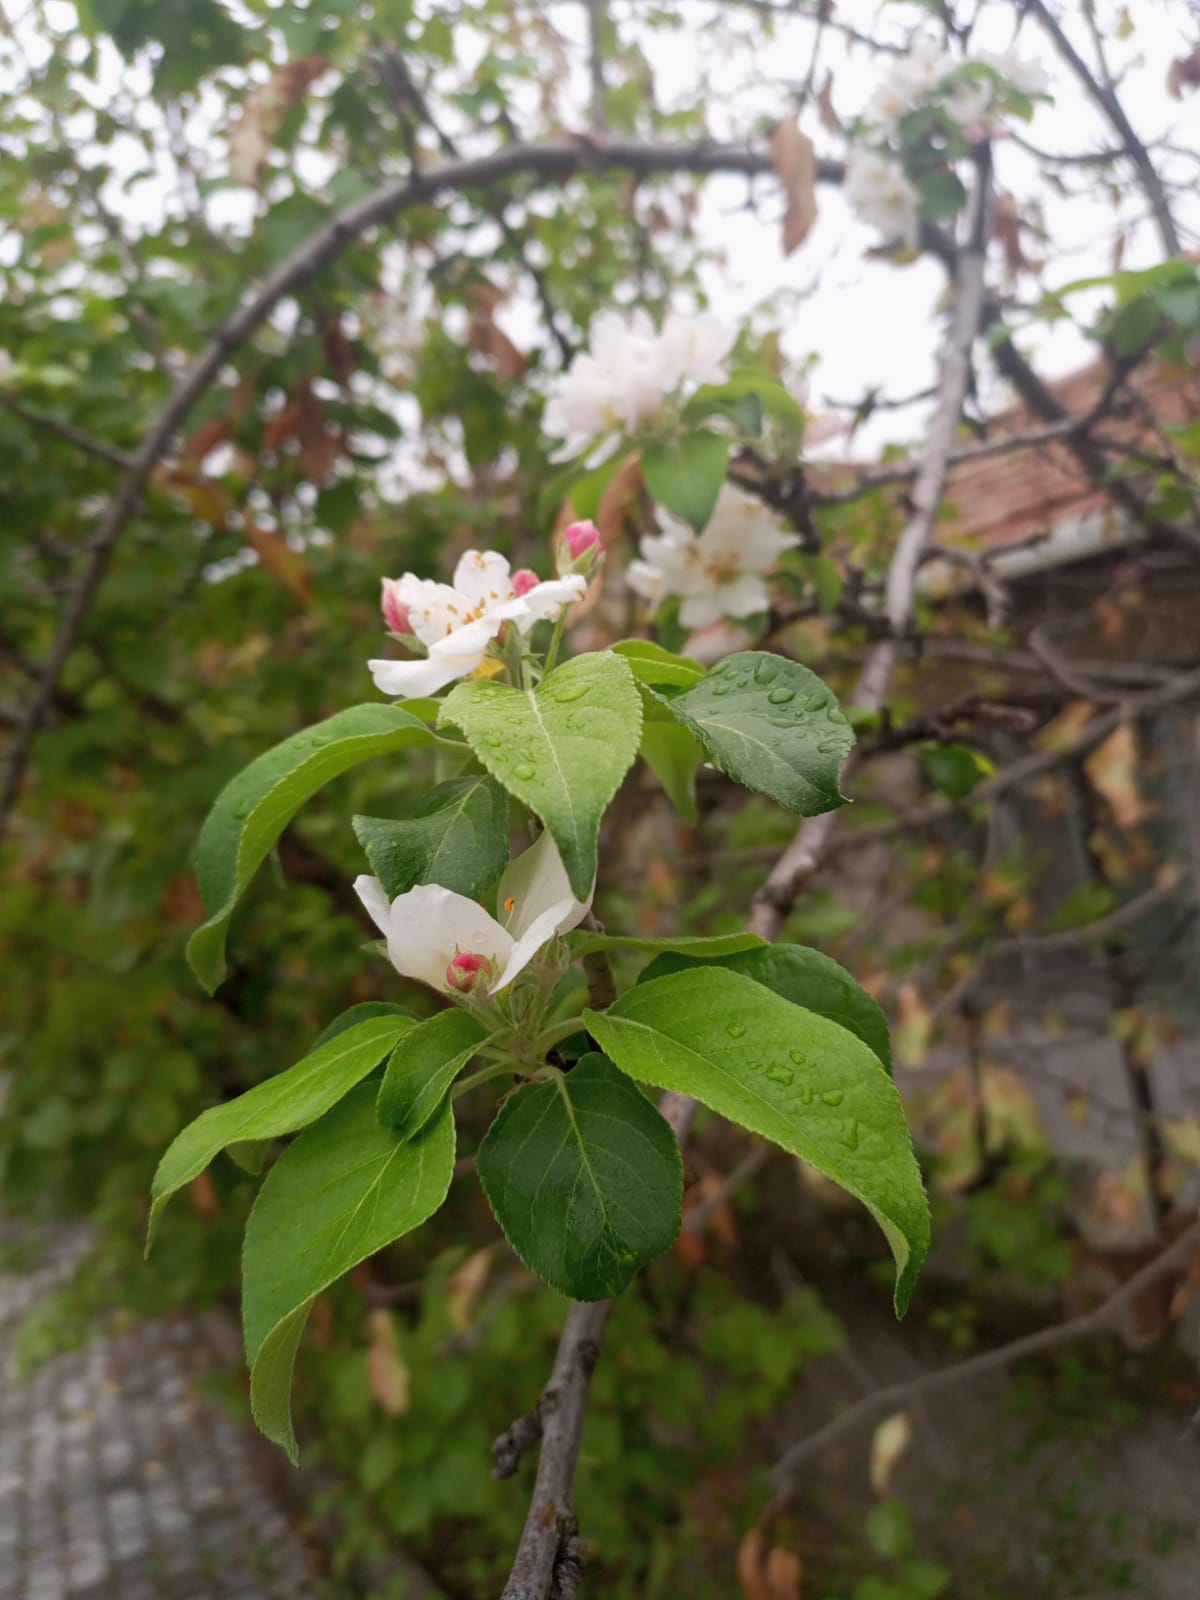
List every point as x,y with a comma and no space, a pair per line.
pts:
908,81
878,190
456,623
721,573
430,927
1027,76
695,349
626,375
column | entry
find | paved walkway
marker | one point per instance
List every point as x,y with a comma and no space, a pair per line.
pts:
119,1480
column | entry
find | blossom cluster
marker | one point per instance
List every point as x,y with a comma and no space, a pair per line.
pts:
718,573
450,626
973,95
626,376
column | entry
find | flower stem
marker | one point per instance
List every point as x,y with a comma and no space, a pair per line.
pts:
496,1070
555,640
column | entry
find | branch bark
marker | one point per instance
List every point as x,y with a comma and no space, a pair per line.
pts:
800,860
893,1396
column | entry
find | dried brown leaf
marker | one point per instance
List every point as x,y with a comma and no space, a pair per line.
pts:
385,1366
795,160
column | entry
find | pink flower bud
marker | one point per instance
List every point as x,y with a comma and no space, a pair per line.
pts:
466,971
395,614
523,581
581,536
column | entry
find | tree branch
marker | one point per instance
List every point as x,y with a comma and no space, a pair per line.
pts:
894,1396
800,860
1106,98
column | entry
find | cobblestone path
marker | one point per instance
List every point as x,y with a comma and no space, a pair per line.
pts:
119,1480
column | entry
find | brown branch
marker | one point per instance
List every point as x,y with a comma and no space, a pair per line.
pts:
70,434
798,863
554,160
1106,98
894,1396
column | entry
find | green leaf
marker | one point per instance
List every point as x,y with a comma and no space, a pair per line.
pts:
773,399
283,1104
661,669
674,756
942,196
585,1178
742,406
422,1067
889,1529
562,748
685,475
254,808
458,837
773,726
713,945
342,1191
785,1073
802,975
356,1014
955,769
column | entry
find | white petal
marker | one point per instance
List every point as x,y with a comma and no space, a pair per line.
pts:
483,577
466,644
434,609
415,679
370,891
646,580
698,610
546,601
430,925
540,932
743,597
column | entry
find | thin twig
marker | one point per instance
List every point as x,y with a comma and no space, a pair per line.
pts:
895,1396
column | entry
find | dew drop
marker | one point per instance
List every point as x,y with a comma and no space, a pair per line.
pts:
735,1030
564,692
778,1074
524,771
766,672
242,810
798,1057
781,696
850,1135
721,687
806,1093
832,1097
493,741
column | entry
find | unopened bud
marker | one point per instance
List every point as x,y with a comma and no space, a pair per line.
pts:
395,613
579,549
523,581
467,970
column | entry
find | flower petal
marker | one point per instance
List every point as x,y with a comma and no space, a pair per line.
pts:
483,577
371,892
430,925
416,679
546,600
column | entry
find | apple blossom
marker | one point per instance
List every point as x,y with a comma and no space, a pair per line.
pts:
626,376
909,80
453,944
456,622
718,573
878,191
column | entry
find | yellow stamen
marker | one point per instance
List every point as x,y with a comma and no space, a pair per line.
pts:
510,902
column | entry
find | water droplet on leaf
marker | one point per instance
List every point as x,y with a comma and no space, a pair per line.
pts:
735,1030
525,771
781,696
833,1097
778,1074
